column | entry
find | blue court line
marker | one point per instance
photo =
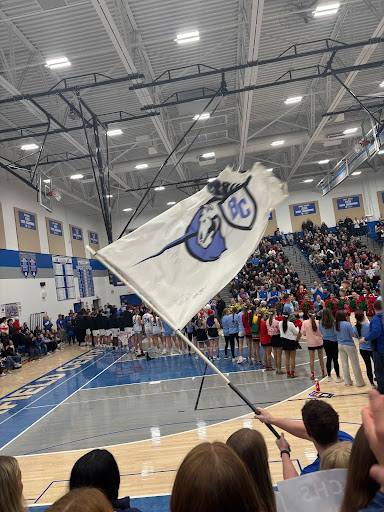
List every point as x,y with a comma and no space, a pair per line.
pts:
150,473
23,418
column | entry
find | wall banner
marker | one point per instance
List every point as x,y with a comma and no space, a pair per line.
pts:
344,203
55,228
27,220
304,209
93,238
24,263
32,264
76,233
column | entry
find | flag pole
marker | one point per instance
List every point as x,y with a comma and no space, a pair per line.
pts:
181,335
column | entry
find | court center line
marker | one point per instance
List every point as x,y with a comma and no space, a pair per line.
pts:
46,414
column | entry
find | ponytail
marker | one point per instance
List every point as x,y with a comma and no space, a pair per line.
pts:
359,315
313,322
285,321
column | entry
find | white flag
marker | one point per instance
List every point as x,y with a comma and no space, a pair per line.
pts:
179,260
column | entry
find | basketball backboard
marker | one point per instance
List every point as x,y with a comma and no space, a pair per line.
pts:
44,191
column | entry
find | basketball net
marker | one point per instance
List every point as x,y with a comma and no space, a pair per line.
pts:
55,192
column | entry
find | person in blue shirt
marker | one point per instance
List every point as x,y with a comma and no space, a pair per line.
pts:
288,307
328,332
376,336
233,329
225,321
347,350
320,425
262,294
274,296
360,330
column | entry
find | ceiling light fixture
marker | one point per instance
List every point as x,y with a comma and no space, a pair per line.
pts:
270,169
381,152
202,117
61,62
28,147
171,203
159,188
76,176
277,143
211,179
114,132
141,166
47,181
208,155
127,210
349,130
309,180
382,84
188,37
356,173
322,162
294,99
109,195
326,9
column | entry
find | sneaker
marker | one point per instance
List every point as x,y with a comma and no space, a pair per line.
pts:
234,359
240,360
312,376
339,379
164,352
17,365
349,385
293,376
330,379
218,358
227,357
9,372
149,358
180,352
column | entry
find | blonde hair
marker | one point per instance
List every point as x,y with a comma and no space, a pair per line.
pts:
336,456
11,493
84,499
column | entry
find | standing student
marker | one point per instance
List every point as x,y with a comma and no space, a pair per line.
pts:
311,330
189,329
376,336
331,347
276,343
347,349
157,334
247,322
147,323
255,338
201,335
241,335
289,334
360,331
137,331
265,341
234,331
213,332
225,320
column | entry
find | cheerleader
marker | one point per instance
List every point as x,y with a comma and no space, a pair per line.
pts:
276,343
265,341
189,329
311,330
213,332
234,331
225,319
138,332
255,337
289,333
241,335
201,334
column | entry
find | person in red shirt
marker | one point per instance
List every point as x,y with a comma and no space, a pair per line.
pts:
301,293
247,319
265,341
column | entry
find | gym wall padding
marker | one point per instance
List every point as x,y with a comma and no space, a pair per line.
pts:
2,230
27,237
56,241
358,212
78,248
271,225
297,220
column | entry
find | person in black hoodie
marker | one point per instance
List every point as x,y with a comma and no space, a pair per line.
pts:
94,329
80,327
98,468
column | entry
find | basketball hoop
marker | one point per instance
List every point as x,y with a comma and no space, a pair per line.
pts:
55,192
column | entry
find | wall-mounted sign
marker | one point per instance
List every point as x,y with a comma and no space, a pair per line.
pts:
304,209
348,202
76,233
93,238
55,228
27,220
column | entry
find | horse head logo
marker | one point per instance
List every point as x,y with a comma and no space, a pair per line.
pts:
209,225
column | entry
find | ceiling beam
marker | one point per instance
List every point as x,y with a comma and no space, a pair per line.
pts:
143,95
363,58
250,75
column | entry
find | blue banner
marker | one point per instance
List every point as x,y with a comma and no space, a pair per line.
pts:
304,209
348,202
93,238
27,220
32,264
24,263
55,228
76,233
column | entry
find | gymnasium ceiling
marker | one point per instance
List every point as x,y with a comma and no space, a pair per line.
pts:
117,37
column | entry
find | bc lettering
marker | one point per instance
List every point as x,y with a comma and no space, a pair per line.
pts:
239,208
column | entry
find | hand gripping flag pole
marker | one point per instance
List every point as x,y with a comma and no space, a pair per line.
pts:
181,335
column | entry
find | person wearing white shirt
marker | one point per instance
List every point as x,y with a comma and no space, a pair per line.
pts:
289,334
